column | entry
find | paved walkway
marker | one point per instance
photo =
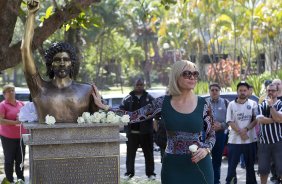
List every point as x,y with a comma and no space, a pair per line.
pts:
140,167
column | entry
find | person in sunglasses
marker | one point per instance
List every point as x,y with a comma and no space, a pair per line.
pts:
60,96
219,107
187,121
270,136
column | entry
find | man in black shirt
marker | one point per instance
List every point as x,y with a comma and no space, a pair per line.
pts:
139,134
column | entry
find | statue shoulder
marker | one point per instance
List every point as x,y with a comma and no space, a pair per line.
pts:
82,86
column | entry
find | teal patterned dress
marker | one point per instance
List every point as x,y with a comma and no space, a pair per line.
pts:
183,130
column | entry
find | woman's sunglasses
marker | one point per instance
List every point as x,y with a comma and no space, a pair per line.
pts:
188,74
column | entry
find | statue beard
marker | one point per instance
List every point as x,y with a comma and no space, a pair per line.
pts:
62,72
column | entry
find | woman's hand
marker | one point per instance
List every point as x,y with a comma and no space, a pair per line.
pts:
98,99
199,155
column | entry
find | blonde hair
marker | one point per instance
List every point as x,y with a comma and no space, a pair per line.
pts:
176,70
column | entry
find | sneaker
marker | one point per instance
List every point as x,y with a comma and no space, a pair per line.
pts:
128,176
152,177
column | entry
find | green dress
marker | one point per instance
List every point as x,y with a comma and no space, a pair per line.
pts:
182,131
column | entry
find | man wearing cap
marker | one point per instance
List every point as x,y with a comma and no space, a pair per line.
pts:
219,107
10,132
242,139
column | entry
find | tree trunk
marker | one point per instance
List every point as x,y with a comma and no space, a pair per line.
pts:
10,56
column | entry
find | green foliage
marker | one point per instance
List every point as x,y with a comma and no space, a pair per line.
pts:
233,84
256,81
5,181
278,74
201,88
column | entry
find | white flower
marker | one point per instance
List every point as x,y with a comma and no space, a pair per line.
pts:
116,119
110,113
103,114
80,120
193,148
50,120
110,117
125,119
86,117
103,120
96,117
102,117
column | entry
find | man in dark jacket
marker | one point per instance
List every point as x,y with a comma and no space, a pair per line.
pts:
139,134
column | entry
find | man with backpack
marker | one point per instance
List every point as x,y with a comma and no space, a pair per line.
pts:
219,107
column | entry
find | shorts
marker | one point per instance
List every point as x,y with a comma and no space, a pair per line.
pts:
268,153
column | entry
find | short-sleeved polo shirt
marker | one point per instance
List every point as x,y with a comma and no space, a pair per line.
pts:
10,112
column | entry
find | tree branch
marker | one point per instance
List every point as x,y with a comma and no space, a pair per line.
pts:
12,54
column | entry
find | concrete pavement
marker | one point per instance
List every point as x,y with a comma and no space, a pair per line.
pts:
140,176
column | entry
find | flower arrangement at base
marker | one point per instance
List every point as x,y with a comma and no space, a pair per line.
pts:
102,117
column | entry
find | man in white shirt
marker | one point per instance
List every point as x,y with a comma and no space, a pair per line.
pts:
241,114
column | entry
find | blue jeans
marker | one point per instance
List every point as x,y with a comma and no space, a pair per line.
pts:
234,152
217,152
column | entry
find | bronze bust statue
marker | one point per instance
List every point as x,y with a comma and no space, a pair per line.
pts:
61,96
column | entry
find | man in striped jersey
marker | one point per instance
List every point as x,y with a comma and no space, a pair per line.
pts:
270,136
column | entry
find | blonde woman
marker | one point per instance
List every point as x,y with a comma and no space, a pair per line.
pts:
187,121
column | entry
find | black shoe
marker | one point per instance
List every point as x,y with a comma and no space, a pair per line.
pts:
128,176
273,178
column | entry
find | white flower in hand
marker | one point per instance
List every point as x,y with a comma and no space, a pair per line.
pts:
125,119
80,120
193,148
50,120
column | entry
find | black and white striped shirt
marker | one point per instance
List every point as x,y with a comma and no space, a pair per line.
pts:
270,133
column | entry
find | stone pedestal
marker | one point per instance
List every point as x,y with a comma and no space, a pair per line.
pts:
73,153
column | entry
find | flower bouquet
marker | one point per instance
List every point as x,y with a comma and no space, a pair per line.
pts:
102,117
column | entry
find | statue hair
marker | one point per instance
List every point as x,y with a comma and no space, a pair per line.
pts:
61,47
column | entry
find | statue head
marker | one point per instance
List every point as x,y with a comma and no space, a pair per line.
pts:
60,47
